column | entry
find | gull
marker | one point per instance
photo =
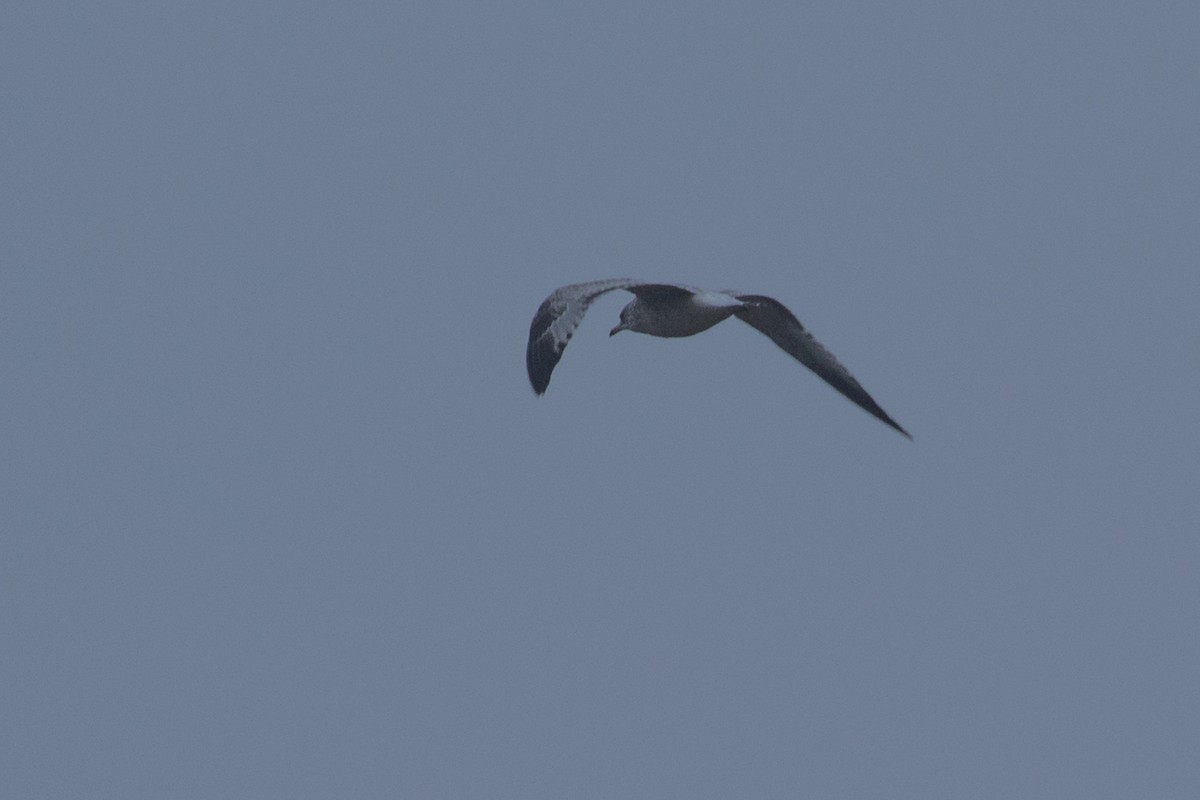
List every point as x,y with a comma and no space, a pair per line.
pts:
672,310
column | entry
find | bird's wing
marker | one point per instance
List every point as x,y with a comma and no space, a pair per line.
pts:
773,319
661,292
555,322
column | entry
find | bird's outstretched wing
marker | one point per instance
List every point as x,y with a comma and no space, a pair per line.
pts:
773,319
555,322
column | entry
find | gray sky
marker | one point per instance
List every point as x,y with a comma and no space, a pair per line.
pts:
283,517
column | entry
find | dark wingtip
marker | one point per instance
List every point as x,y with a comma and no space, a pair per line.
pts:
868,404
535,368
882,416
893,424
538,379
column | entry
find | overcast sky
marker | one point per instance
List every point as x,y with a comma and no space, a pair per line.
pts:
283,518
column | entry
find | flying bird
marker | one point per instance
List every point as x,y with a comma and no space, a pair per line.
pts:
671,310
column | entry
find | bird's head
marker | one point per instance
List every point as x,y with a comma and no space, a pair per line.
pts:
626,321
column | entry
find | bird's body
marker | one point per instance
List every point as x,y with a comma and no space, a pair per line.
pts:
671,310
674,311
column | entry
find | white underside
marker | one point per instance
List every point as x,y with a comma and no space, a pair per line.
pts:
698,313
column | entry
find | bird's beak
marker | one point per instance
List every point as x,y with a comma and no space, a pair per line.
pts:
620,327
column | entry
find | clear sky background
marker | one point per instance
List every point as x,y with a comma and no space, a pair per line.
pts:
283,518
